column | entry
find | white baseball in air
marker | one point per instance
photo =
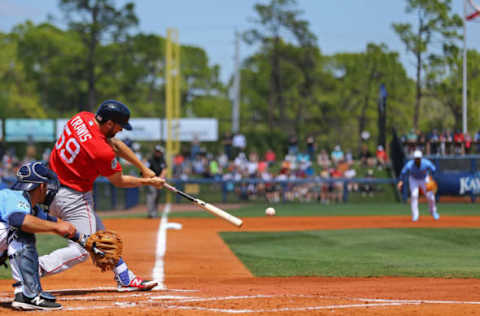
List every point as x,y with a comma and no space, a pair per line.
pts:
270,211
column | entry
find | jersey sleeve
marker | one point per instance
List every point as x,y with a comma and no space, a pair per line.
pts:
405,169
107,164
431,166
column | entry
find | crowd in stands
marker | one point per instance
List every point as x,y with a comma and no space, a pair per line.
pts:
301,161
442,143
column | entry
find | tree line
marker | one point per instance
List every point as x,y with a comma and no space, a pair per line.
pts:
288,86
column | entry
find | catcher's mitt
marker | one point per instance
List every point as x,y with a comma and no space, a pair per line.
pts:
105,248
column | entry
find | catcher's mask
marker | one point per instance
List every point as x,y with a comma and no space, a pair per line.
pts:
32,174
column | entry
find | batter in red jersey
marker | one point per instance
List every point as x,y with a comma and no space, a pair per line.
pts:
85,150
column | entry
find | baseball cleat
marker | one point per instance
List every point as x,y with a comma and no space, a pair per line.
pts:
414,218
21,302
436,216
137,284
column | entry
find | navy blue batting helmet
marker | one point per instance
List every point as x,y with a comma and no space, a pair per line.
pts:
32,174
114,111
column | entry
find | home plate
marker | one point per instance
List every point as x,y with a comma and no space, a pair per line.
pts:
172,225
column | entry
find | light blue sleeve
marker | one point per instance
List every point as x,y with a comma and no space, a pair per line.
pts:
431,166
406,169
14,202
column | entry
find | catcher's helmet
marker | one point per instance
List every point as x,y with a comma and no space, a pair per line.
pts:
114,111
32,174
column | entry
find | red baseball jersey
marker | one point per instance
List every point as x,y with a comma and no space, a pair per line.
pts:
82,153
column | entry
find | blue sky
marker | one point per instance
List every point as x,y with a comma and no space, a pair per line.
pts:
340,25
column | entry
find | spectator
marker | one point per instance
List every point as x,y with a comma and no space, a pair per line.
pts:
458,140
337,154
195,148
311,147
349,157
468,143
223,161
30,154
227,145
411,140
381,157
365,156
270,157
433,142
368,188
350,173
239,143
421,140
292,145
214,170
323,160
178,164
448,142
337,193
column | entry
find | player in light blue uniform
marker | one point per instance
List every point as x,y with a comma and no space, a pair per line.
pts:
20,217
418,169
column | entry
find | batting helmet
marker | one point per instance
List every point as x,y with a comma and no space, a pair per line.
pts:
32,174
114,111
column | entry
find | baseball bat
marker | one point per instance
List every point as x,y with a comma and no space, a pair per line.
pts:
206,206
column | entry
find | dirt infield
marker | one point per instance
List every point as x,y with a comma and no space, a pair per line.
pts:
203,277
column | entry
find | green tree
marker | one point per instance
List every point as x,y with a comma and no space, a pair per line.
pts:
18,97
434,22
52,60
359,76
275,20
445,82
97,21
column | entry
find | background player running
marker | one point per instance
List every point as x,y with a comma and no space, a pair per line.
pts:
418,169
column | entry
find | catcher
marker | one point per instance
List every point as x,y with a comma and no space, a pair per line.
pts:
20,217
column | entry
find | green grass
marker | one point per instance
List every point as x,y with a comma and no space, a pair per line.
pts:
342,209
445,253
45,244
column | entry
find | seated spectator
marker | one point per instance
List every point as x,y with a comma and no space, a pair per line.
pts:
421,141
337,154
326,187
350,173
349,157
368,188
458,140
214,170
337,186
381,157
433,143
292,145
448,136
411,141
239,143
270,157
323,160
311,147
178,161
366,157
468,143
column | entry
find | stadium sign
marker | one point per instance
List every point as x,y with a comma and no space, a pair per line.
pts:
143,129
29,130
202,129
470,184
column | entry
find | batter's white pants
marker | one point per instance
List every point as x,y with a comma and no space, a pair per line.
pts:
415,184
77,208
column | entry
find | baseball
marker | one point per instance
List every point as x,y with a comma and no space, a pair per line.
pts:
270,211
